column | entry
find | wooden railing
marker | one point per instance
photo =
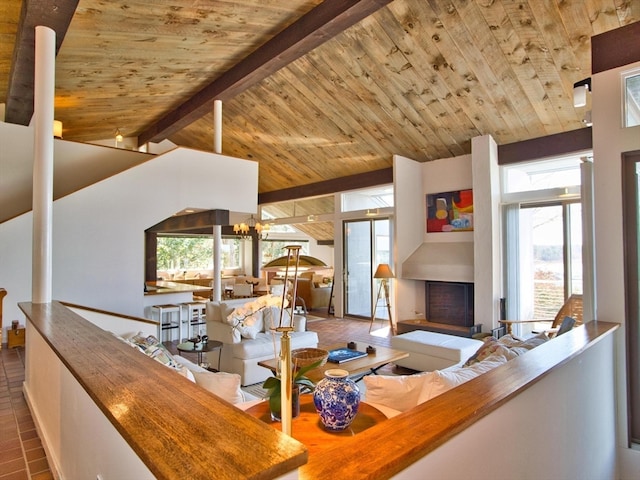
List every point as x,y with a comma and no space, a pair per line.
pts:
217,440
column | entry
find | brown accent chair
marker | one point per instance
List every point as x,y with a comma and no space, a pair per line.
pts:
571,308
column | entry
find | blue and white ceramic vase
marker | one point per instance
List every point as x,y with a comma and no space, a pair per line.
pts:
336,398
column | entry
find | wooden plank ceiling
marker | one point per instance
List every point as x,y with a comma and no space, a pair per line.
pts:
418,78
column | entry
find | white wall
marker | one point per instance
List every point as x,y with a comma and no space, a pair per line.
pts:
79,440
562,427
486,232
98,232
609,141
409,228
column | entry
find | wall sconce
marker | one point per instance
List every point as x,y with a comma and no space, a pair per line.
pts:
372,213
119,137
580,90
57,129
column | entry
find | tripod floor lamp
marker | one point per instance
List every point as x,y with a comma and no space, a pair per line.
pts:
384,273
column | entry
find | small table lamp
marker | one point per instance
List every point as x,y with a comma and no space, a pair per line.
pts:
383,272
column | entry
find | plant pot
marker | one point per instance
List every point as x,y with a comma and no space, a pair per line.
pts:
275,404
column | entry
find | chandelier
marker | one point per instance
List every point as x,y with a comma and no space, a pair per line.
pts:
243,229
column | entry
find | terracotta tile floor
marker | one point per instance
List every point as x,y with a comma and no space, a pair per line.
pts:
21,452
22,456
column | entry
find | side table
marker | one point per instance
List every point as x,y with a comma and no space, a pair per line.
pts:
16,337
200,348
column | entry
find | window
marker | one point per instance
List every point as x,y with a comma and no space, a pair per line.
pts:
631,89
368,199
177,253
543,242
272,249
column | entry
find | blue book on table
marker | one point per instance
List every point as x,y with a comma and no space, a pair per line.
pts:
341,355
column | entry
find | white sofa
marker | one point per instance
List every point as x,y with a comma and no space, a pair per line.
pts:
224,385
396,394
242,350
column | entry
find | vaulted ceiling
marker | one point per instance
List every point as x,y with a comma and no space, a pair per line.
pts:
418,78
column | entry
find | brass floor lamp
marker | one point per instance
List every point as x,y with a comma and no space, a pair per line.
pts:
384,273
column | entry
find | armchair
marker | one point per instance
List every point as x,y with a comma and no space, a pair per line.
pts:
571,308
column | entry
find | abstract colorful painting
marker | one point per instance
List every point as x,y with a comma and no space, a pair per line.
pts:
450,211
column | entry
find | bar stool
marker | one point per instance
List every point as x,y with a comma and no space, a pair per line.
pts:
195,316
166,322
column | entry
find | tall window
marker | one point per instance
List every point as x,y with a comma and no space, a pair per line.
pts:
543,244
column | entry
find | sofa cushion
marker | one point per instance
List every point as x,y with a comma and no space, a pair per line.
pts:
399,392
224,385
267,345
444,380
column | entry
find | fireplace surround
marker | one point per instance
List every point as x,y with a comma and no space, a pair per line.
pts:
450,303
448,309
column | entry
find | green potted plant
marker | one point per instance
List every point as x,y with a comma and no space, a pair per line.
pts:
301,384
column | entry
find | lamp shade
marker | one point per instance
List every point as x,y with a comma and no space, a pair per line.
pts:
383,271
305,261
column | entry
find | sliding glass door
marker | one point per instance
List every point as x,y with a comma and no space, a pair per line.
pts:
366,244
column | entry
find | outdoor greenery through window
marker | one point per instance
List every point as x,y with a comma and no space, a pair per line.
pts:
272,249
179,253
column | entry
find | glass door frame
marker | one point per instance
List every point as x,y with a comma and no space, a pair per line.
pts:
375,257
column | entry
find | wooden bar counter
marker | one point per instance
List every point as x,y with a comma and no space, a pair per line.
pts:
210,438
177,428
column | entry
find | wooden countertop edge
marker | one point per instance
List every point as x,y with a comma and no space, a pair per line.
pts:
112,314
210,437
402,440
165,287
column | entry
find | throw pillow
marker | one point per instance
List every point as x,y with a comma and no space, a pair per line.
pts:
251,326
225,311
271,317
398,392
491,347
224,385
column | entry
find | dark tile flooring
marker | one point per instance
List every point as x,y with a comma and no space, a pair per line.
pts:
22,456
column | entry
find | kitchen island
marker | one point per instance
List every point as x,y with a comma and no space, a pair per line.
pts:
162,292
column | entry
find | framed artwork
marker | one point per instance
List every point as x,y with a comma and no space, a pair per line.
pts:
450,211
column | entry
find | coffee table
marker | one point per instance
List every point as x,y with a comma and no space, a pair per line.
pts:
210,346
357,368
308,429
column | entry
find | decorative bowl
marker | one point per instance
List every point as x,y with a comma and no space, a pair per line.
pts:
301,357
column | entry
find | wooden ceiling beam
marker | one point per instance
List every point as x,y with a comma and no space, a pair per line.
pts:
312,30
55,15
200,221
326,187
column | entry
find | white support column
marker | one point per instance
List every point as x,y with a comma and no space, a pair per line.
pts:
217,126
44,91
217,263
